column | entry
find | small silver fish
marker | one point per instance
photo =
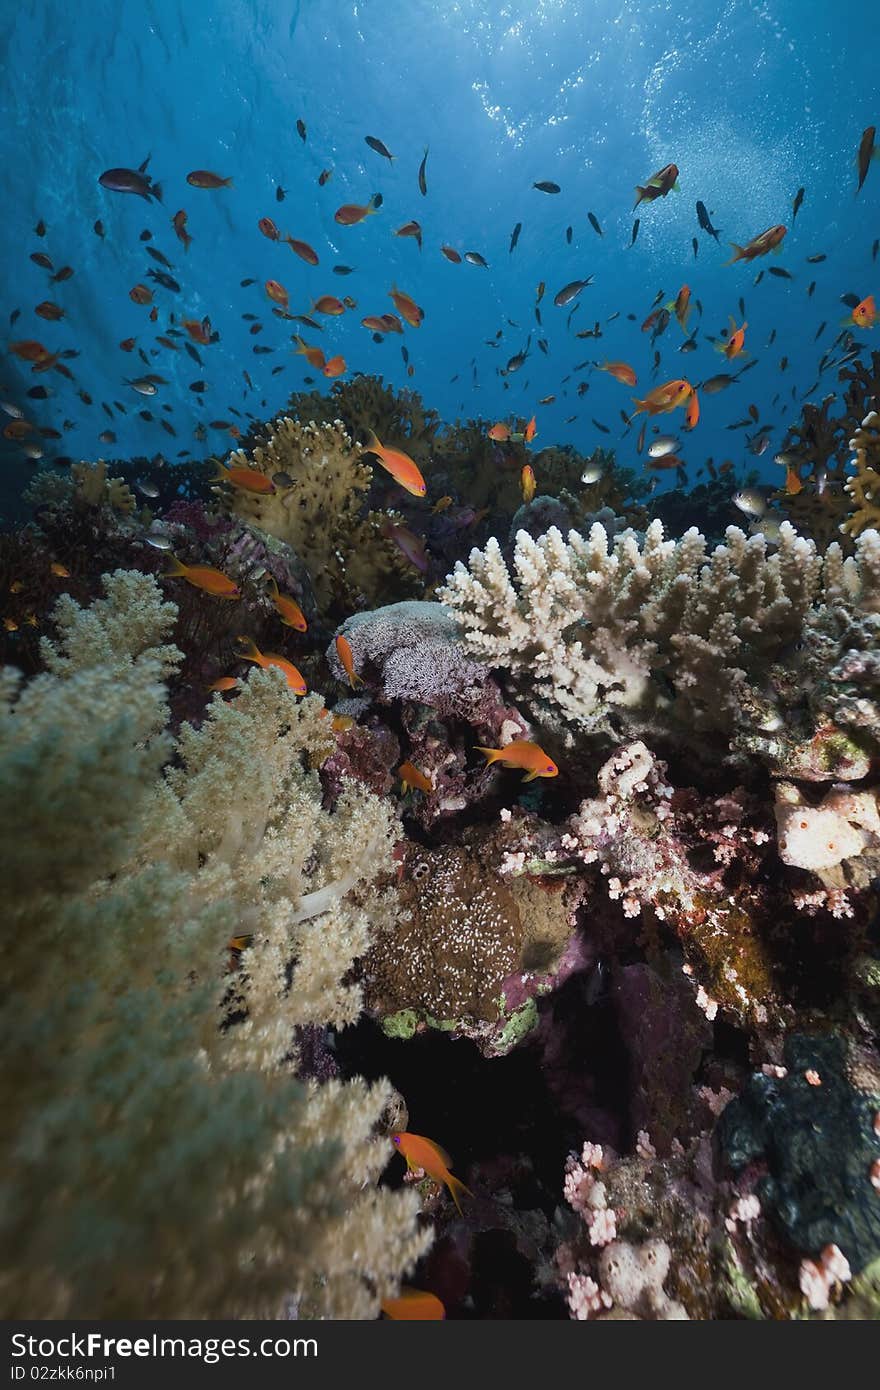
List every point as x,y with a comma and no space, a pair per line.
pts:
591,474
147,489
158,541
142,385
661,446
12,410
750,501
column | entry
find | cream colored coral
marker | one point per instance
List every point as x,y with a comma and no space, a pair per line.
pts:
844,823
864,486
589,625
159,1158
92,486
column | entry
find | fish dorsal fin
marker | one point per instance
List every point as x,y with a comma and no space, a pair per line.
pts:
441,1153
142,168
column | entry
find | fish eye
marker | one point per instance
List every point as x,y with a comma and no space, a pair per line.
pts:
551,767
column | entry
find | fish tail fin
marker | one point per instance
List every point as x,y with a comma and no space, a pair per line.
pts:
641,407
642,192
456,1186
175,569
740,254
247,649
491,754
226,183
676,187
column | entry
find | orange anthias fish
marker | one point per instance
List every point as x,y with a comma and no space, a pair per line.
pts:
692,414
59,570
681,307
451,254
249,651
414,1305
47,310
374,323
303,250
29,350
420,1152
223,684
268,228
178,222
336,366
352,213
793,482
248,479
621,371
735,341
139,294
864,315
412,229
328,304
407,307
346,656
524,754
277,292
411,778
288,609
499,432
399,465
392,323
658,186
527,482
313,355
663,398
767,241
204,178
198,329
530,430
203,577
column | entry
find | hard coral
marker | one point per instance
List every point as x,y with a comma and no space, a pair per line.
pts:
864,487
92,488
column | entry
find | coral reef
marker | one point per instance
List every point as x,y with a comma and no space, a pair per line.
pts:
621,638
92,488
154,1162
863,488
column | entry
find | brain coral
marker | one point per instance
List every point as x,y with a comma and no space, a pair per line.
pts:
450,949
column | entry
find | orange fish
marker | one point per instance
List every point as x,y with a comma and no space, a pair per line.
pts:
10,624
288,609
202,577
399,465
17,429
351,213
139,294
864,315
346,656
681,307
127,344
328,304
658,186
411,778
735,340
374,323
203,178
527,482
249,651
663,398
692,414
759,246
248,479
268,228
313,355
793,483
525,754
499,432
441,504
200,332
50,311
407,307
530,430
414,1305
451,254
178,222
224,683
59,570
277,292
620,371
29,350
420,1152
392,323
335,366
303,250
411,229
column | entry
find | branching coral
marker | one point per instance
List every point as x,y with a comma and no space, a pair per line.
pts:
623,637
864,487
154,1162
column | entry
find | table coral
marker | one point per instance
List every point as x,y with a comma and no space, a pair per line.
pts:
155,1162
621,636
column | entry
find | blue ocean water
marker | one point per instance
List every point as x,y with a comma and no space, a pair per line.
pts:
750,100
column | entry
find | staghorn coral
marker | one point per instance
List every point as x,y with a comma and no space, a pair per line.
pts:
863,488
154,1163
620,638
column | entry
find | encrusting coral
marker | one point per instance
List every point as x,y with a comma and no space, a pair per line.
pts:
160,1157
621,637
